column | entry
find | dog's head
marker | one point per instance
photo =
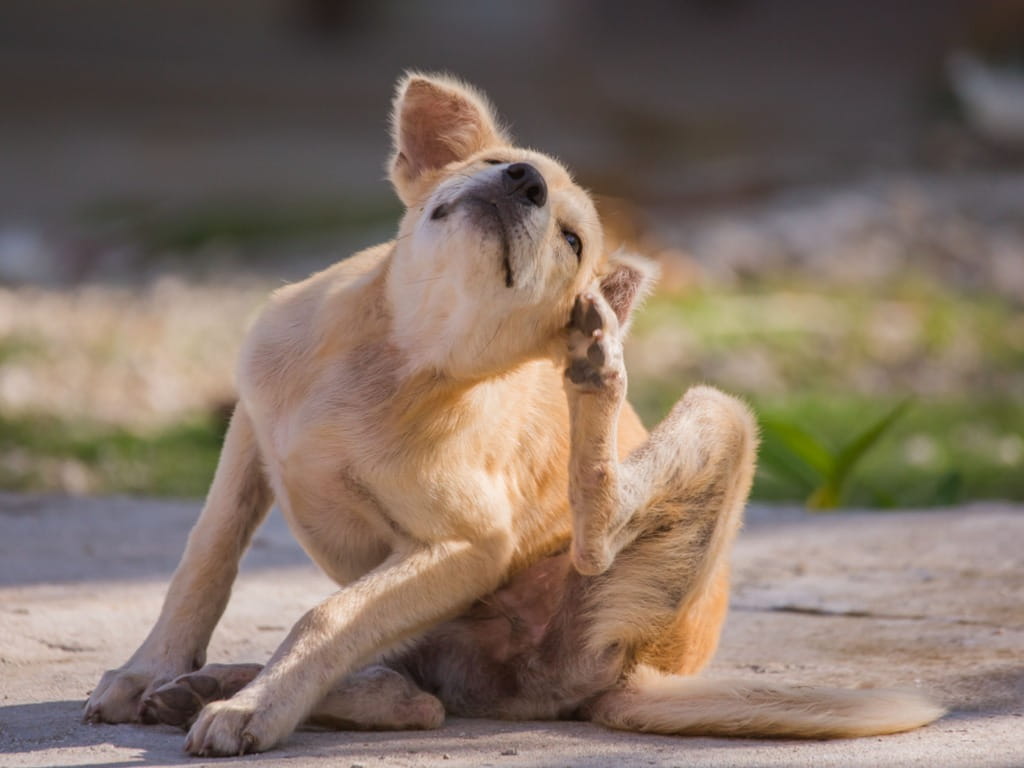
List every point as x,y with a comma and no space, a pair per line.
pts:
496,243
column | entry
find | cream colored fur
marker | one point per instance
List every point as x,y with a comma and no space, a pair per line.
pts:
407,411
691,706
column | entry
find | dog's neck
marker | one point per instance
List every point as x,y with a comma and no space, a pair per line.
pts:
455,340
435,405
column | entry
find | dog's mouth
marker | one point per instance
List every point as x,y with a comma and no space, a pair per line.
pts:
486,213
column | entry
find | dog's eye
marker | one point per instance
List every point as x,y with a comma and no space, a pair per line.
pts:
574,242
492,161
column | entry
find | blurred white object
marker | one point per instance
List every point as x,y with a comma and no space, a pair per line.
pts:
993,97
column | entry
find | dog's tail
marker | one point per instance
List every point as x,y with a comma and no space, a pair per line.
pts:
691,706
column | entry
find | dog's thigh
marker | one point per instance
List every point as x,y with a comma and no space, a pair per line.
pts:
666,593
552,638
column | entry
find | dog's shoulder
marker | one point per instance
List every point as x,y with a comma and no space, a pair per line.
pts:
308,324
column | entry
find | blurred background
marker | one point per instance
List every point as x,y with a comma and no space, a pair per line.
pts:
835,191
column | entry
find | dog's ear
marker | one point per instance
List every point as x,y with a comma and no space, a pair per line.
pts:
625,281
436,121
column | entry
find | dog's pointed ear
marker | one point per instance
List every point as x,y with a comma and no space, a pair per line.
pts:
436,121
625,282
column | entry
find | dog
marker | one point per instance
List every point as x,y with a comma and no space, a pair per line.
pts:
442,421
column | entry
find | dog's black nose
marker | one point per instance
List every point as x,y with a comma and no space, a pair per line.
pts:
524,182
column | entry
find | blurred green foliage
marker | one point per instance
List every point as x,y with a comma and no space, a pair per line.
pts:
791,453
935,453
938,452
829,372
41,452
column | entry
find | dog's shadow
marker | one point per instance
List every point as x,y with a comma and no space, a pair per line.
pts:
52,733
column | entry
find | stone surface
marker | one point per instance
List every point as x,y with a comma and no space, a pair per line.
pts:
928,600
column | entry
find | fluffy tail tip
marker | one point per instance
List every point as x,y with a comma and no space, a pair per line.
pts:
690,706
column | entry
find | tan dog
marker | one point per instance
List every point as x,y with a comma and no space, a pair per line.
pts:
441,419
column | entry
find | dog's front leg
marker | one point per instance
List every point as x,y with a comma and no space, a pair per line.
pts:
595,385
239,500
409,592
703,450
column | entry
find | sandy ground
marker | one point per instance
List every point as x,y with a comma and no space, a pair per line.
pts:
916,599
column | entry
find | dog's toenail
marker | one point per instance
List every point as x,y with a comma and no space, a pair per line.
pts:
248,742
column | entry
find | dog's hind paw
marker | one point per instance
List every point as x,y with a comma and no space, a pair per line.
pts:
595,347
180,701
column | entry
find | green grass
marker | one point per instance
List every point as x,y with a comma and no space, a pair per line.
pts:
15,347
939,452
918,337
37,453
793,454
823,365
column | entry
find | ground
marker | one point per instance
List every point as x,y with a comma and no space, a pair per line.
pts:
918,599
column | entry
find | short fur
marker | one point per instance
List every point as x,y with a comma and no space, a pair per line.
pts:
442,421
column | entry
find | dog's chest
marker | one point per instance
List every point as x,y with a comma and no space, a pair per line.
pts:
348,481
365,462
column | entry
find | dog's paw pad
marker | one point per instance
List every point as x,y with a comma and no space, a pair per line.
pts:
595,350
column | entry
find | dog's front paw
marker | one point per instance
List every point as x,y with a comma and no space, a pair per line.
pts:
595,348
117,696
180,701
238,726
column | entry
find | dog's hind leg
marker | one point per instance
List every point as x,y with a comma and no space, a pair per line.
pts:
553,639
687,487
238,502
375,698
655,529
180,700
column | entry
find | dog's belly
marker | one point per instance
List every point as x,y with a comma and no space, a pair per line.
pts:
517,653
